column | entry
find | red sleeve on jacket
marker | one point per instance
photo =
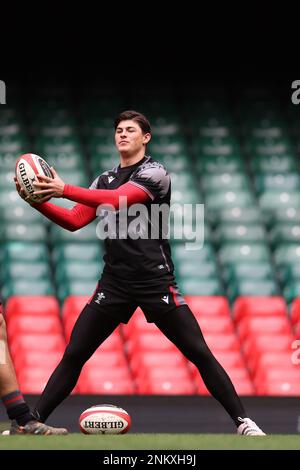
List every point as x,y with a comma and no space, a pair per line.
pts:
96,197
70,219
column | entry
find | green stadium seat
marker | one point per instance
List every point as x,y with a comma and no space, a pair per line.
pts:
277,182
78,252
262,146
219,200
9,199
274,163
74,177
76,287
27,287
182,181
250,271
190,269
24,252
225,181
240,215
176,163
33,271
21,232
8,159
181,254
285,234
88,233
20,213
192,286
291,291
288,215
6,179
219,163
289,273
243,252
69,270
249,287
186,196
287,254
271,201
239,233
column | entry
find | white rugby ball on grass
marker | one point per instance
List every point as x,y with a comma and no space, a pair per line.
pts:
104,419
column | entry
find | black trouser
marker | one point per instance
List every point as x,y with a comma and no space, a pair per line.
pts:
179,325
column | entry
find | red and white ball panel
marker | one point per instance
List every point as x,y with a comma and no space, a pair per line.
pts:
27,167
104,419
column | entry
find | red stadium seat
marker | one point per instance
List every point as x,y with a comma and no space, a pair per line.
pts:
86,385
259,306
249,326
229,359
37,359
32,305
74,304
51,342
34,379
257,345
272,359
240,378
210,324
32,324
295,312
167,387
107,359
101,375
149,342
212,306
222,342
275,374
279,388
138,324
69,321
165,359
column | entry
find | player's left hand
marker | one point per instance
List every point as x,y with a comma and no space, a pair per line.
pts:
49,187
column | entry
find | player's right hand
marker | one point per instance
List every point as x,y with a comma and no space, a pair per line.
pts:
21,192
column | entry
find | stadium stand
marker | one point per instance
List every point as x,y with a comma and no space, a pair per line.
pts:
241,159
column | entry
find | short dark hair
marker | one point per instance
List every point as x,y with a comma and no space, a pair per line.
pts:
131,115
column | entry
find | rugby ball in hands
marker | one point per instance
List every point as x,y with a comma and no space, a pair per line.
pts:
104,419
27,168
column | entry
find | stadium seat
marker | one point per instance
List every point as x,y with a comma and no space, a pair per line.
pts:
32,324
149,342
221,342
211,325
214,306
107,359
295,312
279,388
35,342
154,359
249,326
28,305
28,359
259,307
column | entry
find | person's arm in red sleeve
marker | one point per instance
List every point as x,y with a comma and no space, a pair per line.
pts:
55,187
96,197
70,219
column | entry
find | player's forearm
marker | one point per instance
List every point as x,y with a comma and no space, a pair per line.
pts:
69,219
96,197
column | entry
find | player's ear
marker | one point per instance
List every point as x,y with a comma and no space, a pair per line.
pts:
146,138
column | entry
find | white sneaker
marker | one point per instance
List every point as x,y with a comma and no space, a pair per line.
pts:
249,428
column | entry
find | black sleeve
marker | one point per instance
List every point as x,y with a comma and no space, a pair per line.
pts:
153,178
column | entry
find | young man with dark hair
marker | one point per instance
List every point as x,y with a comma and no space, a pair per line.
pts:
138,271
17,409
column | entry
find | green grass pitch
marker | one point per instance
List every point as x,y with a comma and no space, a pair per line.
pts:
133,441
